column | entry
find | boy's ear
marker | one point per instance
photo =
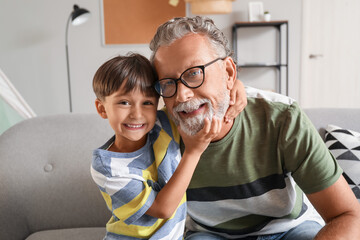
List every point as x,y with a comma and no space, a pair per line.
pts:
231,70
100,108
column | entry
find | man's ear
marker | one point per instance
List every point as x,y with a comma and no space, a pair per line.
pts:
231,70
100,108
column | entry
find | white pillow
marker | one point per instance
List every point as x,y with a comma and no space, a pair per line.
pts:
344,144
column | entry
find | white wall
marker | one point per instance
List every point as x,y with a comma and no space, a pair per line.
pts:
32,49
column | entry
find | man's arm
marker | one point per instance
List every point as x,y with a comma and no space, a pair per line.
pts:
340,209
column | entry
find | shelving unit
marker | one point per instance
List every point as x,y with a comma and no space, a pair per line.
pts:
279,65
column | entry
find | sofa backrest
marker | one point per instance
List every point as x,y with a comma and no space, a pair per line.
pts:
347,118
45,180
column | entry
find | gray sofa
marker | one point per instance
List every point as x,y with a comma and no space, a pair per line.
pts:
46,191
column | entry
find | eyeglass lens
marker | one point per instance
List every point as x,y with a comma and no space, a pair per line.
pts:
192,78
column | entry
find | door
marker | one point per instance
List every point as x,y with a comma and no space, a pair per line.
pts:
330,71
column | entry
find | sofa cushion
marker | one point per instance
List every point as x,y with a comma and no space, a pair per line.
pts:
344,144
95,233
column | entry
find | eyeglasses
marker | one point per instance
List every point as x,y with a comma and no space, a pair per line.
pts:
192,78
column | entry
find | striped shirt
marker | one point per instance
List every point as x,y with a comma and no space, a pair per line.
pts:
252,182
129,183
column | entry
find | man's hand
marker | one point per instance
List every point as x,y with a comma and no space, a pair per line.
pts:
238,101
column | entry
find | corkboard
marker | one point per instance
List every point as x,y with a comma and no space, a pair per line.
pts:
136,21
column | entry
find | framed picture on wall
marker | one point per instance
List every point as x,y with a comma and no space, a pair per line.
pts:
256,11
135,22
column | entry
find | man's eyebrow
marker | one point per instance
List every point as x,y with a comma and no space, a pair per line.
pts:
194,63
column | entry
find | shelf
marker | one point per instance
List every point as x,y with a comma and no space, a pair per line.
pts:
279,64
259,24
256,65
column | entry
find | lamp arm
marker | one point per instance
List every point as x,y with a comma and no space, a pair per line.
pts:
67,61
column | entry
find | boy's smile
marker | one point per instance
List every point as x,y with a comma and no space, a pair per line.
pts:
134,127
132,115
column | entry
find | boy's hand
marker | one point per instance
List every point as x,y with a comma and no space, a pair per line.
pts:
171,194
198,143
238,101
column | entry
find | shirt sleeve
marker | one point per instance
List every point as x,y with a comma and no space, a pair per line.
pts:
305,154
126,193
130,197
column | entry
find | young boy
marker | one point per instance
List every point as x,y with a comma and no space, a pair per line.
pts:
139,171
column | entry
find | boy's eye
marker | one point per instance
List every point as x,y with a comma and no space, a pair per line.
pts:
124,102
148,103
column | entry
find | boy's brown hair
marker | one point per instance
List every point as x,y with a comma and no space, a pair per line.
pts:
133,70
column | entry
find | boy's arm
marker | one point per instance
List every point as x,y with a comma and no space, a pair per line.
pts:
238,101
169,197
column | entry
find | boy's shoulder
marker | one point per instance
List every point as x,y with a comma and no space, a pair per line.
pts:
163,116
164,122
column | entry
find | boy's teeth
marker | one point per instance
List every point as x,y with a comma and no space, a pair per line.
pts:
134,126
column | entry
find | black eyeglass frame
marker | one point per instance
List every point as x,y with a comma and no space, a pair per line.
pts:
176,80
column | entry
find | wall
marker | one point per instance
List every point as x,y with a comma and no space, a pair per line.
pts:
32,49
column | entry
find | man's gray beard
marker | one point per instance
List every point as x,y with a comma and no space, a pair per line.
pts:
194,124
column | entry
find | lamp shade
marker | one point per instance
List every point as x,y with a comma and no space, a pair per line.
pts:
79,15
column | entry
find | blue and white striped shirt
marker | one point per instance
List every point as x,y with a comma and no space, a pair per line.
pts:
129,183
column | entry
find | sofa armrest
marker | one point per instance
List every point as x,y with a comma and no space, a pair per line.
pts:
45,180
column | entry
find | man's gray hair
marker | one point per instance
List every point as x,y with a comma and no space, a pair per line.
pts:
177,28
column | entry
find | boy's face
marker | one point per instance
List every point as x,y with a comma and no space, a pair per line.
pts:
131,114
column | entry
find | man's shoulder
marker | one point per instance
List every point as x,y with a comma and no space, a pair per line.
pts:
268,96
265,105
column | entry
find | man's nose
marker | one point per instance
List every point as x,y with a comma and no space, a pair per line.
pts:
183,93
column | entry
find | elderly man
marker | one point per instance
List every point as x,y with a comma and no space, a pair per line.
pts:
264,172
